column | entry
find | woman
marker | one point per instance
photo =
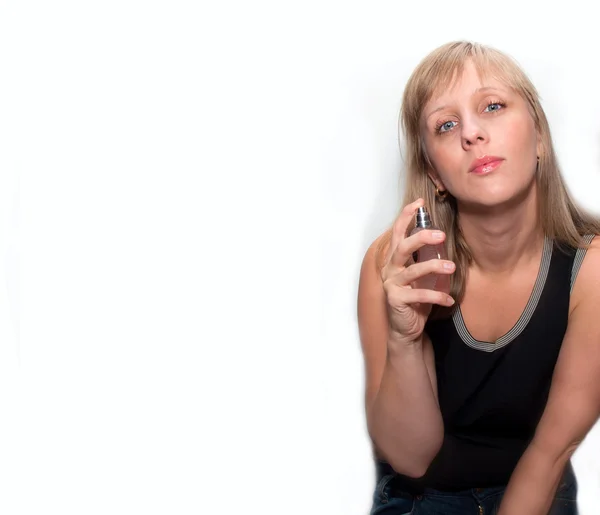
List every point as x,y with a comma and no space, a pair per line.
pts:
476,400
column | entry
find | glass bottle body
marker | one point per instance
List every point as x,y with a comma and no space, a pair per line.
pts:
438,282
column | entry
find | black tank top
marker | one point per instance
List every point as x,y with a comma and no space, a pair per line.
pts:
492,395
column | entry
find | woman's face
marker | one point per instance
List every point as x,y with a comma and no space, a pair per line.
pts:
481,141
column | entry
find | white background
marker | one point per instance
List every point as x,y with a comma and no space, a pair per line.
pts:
187,192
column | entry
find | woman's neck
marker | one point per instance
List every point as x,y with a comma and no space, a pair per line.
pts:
502,238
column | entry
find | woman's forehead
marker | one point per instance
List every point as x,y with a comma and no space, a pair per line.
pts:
468,79
467,83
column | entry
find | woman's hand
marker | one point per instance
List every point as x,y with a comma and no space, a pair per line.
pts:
408,307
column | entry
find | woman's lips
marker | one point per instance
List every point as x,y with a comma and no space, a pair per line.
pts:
487,167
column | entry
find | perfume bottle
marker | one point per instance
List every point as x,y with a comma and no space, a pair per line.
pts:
439,282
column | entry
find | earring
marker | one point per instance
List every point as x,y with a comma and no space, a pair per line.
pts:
441,194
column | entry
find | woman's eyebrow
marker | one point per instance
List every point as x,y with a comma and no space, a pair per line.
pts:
478,90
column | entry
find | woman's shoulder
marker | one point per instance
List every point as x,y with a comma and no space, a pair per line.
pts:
590,266
586,287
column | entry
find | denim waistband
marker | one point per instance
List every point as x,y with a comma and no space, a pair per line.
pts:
401,484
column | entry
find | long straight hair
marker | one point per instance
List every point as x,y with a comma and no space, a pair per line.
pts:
561,218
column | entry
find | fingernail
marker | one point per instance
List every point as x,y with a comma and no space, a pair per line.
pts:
448,265
450,301
438,235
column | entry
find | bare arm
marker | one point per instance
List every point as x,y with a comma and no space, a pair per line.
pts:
573,404
403,416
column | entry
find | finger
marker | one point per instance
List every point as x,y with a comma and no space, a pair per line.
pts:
408,296
405,276
413,272
408,246
401,225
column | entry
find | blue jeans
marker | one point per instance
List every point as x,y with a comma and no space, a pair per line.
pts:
389,500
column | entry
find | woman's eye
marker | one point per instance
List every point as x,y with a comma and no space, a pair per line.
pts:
496,106
445,127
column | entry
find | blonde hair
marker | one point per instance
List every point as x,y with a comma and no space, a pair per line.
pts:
562,220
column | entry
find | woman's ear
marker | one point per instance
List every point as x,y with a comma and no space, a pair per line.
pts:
435,178
437,182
